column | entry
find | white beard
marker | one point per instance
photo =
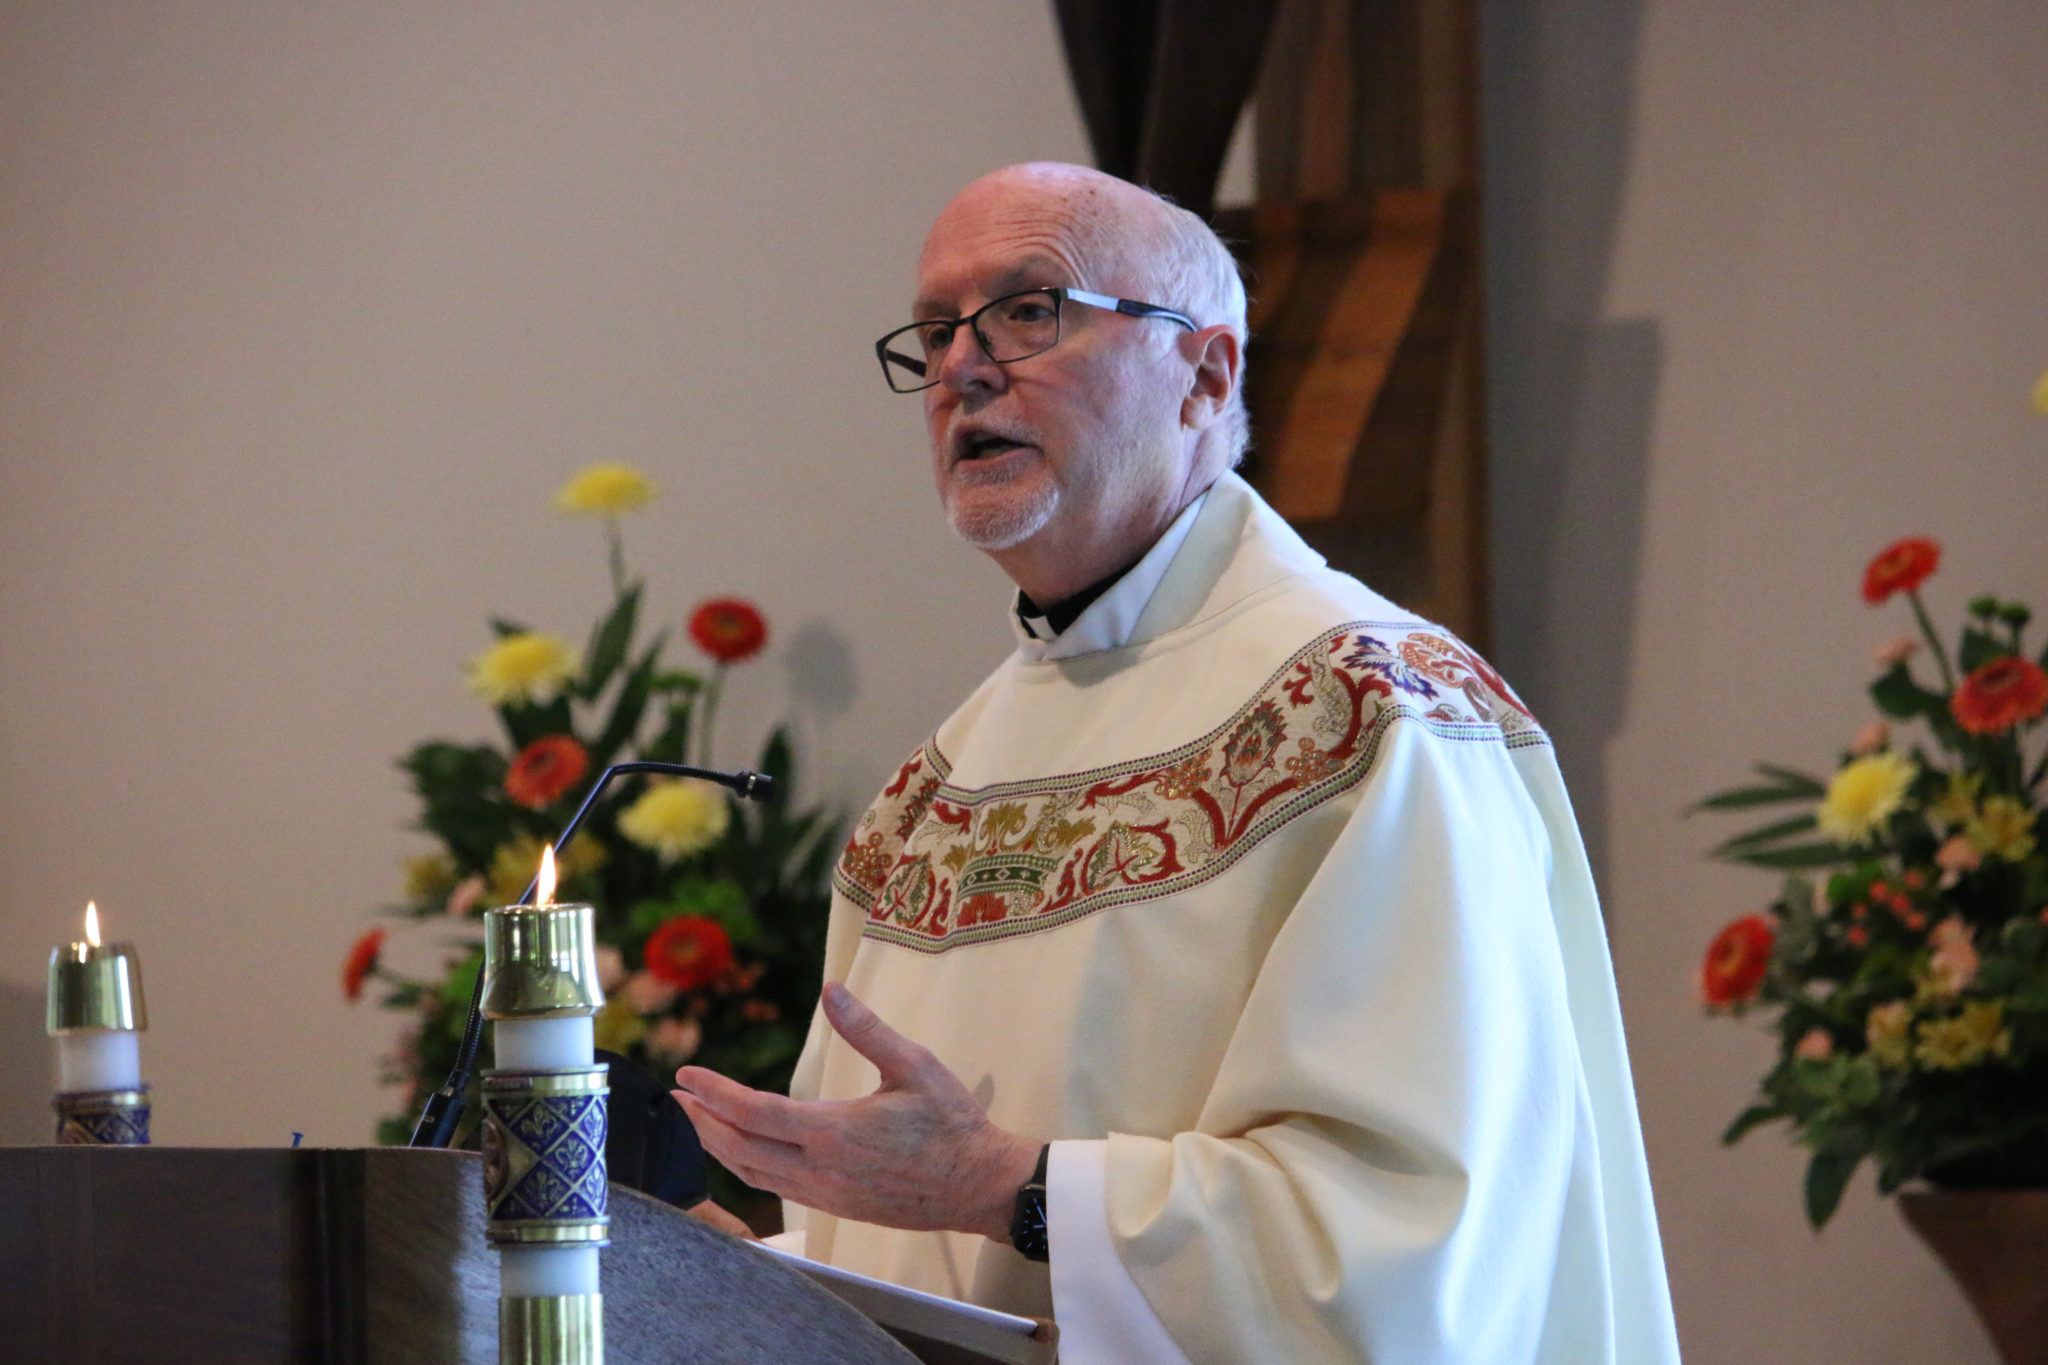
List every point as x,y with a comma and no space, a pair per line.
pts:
1000,523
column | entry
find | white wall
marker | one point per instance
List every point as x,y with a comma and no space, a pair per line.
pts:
1767,292
305,311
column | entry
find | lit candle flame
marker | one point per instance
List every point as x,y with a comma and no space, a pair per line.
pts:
545,893
92,924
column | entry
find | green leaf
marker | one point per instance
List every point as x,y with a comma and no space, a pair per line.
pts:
609,642
1753,1117
462,790
1741,798
1793,778
628,709
1798,824
1899,697
1795,856
1827,1176
526,723
1978,648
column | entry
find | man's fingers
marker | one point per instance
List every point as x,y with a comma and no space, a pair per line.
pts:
736,1147
901,1062
752,1111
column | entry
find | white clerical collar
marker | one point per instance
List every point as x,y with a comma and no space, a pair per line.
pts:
1109,619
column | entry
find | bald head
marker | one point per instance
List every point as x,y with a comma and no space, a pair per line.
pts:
1066,462
1126,240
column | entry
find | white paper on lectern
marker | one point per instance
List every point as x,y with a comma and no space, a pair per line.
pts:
985,1331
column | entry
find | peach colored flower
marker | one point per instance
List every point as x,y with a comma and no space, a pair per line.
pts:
1816,1046
1956,857
648,993
1953,964
675,1041
1896,650
1874,737
611,968
466,894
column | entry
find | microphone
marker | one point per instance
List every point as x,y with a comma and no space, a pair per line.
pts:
436,1126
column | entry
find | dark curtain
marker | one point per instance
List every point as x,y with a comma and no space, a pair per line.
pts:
1161,84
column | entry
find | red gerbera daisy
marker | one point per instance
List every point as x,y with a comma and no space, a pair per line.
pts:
1999,695
362,960
1901,568
1735,963
689,951
544,770
728,629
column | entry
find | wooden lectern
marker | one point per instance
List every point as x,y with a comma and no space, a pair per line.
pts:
357,1257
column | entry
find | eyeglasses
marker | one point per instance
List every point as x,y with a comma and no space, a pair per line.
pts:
1013,327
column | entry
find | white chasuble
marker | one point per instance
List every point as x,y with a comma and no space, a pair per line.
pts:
1260,899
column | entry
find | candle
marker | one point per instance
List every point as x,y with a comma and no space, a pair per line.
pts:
95,1014
545,1191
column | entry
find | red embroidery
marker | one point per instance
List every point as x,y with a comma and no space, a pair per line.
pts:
1028,856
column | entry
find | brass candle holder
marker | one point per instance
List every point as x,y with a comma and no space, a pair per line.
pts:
95,1009
546,1188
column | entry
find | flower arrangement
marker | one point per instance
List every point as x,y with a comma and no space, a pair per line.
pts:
710,918
1906,957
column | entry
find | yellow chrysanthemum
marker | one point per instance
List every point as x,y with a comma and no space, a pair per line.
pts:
2041,395
677,818
429,877
528,667
605,490
2004,828
1968,1038
1885,1031
514,864
1863,796
1957,805
618,1025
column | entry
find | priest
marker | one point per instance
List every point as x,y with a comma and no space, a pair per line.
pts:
1224,978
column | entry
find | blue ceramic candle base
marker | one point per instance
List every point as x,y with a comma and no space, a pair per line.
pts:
103,1118
544,1168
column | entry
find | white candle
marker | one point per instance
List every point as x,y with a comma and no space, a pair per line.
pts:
549,1042
545,1044
102,1059
96,1013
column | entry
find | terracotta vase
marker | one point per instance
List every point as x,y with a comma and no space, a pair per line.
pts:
1995,1244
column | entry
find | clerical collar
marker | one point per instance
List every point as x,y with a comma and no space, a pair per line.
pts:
1103,615
1046,622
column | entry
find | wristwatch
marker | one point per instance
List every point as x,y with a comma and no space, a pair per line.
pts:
1027,1224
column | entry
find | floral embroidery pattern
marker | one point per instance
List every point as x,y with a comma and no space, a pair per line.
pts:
936,867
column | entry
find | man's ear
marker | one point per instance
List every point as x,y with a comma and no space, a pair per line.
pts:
1218,362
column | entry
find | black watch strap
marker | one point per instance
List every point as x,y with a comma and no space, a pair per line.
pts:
1027,1223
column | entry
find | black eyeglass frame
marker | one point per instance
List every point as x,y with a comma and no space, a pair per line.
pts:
1060,294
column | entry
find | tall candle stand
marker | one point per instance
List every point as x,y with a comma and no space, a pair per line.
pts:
95,1014
545,1193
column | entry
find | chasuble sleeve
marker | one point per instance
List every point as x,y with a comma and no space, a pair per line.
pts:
1398,1160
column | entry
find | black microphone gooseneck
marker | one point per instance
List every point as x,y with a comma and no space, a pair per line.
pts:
436,1127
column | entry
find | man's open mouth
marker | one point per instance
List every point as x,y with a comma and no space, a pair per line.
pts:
987,444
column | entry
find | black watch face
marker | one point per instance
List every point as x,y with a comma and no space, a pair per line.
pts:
1027,1229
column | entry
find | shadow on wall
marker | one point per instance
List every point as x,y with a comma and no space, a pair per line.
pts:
25,1117
1571,395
